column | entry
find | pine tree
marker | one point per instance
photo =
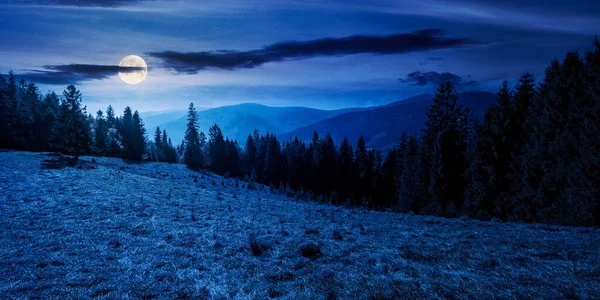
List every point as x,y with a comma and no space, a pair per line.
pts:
445,141
491,151
71,133
50,110
558,162
138,135
232,153
346,167
216,146
193,151
327,165
100,134
410,182
159,147
125,127
273,160
4,113
363,174
251,152
389,179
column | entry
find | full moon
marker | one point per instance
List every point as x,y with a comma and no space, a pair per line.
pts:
136,76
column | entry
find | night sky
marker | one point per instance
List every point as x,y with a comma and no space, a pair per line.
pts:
323,54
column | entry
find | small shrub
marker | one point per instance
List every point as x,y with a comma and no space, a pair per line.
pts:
337,235
257,248
115,244
274,293
311,231
285,276
311,251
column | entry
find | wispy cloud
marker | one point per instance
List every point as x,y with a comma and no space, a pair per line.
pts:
435,78
74,73
422,40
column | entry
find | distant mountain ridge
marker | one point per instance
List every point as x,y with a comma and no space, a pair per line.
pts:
382,126
237,121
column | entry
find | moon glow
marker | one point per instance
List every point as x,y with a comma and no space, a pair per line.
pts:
136,76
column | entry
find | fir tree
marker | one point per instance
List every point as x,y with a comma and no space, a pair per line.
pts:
216,147
445,140
71,133
346,167
100,134
193,151
138,135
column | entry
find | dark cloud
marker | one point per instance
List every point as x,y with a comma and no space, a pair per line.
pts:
421,40
435,78
92,3
74,74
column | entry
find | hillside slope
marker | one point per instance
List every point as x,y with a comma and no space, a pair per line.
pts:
382,126
116,230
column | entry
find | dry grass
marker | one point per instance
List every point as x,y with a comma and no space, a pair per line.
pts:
125,231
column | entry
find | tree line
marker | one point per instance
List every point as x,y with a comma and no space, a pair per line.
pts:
534,158
35,122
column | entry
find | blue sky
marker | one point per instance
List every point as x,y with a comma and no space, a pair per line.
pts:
323,54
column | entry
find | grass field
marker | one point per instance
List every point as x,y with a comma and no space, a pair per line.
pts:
108,229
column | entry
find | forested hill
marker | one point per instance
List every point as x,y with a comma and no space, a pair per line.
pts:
383,126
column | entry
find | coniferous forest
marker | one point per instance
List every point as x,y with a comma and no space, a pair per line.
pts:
534,158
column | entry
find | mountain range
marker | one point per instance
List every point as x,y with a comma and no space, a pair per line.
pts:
381,126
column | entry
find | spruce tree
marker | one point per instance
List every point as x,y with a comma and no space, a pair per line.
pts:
216,146
345,180
138,135
125,127
159,148
50,111
445,141
193,151
251,152
71,133
410,181
363,174
100,134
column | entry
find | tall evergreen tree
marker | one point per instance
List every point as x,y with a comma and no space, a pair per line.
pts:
125,127
216,146
71,133
50,111
327,165
250,155
193,157
410,182
138,136
445,141
491,151
345,180
363,175
158,145
100,134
